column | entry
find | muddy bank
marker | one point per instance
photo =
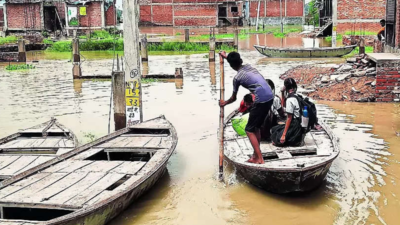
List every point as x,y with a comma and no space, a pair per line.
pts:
351,81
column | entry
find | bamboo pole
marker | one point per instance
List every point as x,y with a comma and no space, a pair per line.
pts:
221,119
258,14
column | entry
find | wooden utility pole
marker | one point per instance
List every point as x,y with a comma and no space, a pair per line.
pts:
76,70
334,21
143,49
258,14
221,119
133,87
187,36
211,56
21,51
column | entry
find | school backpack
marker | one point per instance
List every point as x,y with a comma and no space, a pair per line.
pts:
312,110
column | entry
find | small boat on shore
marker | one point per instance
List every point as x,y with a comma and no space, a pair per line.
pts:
33,146
304,52
93,183
286,169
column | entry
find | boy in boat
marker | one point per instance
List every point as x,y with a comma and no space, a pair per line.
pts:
276,114
291,133
381,33
251,79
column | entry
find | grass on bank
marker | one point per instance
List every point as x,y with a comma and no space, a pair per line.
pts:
368,49
148,80
20,67
8,40
359,33
338,37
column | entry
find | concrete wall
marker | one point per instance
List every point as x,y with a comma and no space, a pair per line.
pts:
60,9
24,16
271,8
1,17
93,15
360,13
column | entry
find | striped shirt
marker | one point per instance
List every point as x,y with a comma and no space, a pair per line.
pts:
251,79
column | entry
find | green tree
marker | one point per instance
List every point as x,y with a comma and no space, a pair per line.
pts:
313,12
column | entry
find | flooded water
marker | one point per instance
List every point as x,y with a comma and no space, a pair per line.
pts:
361,186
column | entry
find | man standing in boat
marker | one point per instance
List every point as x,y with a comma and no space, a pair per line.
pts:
251,79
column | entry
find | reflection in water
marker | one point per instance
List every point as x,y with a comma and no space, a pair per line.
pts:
179,83
145,68
360,187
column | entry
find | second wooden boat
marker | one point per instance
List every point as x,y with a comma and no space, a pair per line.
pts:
304,52
33,146
93,183
286,169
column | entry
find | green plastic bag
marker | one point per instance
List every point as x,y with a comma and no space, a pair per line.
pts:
239,124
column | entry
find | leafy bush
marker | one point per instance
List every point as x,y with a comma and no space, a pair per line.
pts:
61,46
48,41
74,22
82,37
8,40
20,67
100,34
45,34
338,37
187,47
178,34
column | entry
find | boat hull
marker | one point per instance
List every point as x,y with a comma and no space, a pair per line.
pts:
304,53
107,212
283,182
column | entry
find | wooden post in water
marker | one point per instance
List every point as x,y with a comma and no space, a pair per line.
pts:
76,70
187,35
118,83
21,51
221,119
236,38
133,88
211,55
144,53
361,46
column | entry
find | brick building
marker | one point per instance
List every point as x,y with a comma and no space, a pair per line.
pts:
188,13
353,15
271,10
52,15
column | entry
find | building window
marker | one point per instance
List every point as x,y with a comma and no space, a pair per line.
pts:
73,16
234,9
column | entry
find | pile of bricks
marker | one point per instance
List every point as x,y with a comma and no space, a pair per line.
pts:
354,39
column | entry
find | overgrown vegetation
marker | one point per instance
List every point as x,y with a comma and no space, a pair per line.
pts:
20,67
188,47
206,37
90,45
148,80
313,13
368,49
338,37
358,33
8,40
91,137
100,34
74,22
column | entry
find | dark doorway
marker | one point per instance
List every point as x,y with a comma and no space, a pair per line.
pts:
51,18
390,29
222,12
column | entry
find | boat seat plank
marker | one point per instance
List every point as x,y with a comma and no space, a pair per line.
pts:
50,142
129,142
56,187
38,142
63,150
6,160
20,143
153,124
232,147
94,189
110,142
144,135
107,194
74,165
65,143
230,133
140,150
17,165
283,154
31,189
38,161
31,179
51,130
128,168
75,189
156,159
154,142
67,165
15,223
99,166
87,154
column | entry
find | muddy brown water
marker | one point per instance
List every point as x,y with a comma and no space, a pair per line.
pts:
361,186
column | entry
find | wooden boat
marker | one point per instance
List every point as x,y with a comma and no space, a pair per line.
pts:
33,146
286,169
304,52
92,183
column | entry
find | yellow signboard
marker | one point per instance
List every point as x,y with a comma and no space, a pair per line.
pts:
334,28
82,11
132,93
132,101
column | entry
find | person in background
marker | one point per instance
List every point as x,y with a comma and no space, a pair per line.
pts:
290,133
251,79
276,113
246,103
381,33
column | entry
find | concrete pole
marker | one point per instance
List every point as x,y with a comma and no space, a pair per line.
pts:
334,21
212,74
76,70
103,20
133,88
41,16
143,50
258,14
66,19
178,73
187,35
361,46
5,17
21,51
280,13
118,83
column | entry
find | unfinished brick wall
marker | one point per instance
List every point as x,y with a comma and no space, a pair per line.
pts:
387,81
24,16
369,26
60,9
295,8
397,38
93,15
1,18
110,16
